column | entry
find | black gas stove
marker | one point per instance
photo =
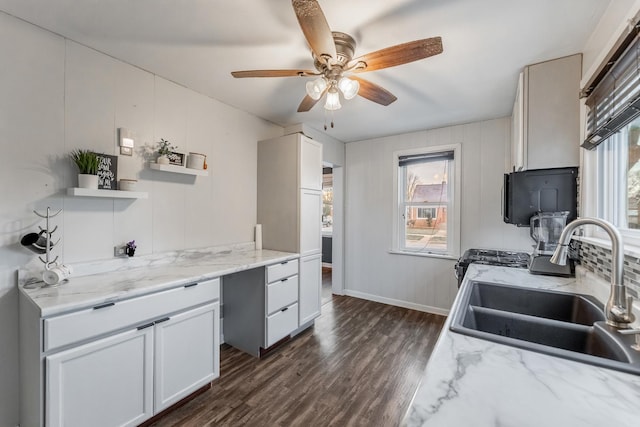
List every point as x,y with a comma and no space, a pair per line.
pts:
490,257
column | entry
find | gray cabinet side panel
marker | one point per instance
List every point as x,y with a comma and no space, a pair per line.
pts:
278,193
554,113
244,317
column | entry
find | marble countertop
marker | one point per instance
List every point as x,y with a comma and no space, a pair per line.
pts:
473,382
113,280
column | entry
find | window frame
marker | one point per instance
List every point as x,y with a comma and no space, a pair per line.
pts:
599,196
453,205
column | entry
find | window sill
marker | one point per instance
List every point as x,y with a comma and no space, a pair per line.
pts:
423,254
629,250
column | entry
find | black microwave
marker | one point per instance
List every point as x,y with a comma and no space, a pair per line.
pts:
540,190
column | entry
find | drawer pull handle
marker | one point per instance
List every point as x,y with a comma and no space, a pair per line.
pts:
164,319
109,304
285,309
283,263
190,285
148,325
285,279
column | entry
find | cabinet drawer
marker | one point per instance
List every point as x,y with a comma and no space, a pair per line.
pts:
84,324
281,294
281,324
280,271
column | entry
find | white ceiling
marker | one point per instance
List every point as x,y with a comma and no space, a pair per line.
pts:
197,43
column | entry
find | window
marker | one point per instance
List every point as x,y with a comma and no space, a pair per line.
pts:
618,180
427,213
327,201
427,218
613,131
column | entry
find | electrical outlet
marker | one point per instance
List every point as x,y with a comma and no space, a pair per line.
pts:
119,251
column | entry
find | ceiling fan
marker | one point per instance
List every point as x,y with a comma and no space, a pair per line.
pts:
333,60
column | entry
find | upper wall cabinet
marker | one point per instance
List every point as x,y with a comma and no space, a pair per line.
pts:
546,115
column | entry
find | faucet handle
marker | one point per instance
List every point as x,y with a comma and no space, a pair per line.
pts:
635,332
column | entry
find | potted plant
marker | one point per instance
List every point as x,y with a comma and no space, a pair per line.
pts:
164,149
87,163
130,248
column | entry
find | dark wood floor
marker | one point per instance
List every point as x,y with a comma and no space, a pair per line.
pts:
358,366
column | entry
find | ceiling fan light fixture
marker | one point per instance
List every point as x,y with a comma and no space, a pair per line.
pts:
348,87
316,88
333,100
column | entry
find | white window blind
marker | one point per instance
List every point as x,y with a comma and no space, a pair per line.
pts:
615,101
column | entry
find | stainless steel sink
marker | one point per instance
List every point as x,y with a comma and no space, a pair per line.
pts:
571,326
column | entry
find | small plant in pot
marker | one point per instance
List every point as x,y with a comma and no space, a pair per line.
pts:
87,163
164,149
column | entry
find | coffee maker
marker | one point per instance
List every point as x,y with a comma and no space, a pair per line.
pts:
546,228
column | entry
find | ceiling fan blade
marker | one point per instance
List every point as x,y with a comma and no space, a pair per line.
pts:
315,28
397,55
307,103
273,73
373,92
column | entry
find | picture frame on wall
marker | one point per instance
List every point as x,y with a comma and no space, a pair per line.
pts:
176,159
107,172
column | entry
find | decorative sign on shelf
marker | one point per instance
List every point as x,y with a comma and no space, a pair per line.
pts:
176,158
107,172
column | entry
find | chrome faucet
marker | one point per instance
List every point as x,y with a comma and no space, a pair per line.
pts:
619,308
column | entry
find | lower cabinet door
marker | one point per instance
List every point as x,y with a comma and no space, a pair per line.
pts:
187,353
107,383
310,288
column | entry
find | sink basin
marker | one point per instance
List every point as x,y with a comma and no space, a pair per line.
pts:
571,326
582,309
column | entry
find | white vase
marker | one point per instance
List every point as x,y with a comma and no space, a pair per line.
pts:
88,181
162,160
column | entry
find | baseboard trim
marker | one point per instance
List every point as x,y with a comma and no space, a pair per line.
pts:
397,303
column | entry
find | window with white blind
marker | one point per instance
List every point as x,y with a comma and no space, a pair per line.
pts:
613,133
426,219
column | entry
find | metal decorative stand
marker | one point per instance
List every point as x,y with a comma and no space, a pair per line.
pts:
47,256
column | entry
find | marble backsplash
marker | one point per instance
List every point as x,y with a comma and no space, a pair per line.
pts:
598,260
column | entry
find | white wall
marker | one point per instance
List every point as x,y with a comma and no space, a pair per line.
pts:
414,281
56,95
612,25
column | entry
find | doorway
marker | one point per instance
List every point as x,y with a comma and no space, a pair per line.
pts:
327,233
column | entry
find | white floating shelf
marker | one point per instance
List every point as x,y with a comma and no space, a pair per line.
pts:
114,194
178,169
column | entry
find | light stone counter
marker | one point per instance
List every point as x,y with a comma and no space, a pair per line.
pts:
111,280
473,382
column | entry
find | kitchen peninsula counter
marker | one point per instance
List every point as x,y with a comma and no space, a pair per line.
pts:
113,280
474,382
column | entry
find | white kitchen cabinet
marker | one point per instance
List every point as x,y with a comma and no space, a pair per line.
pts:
286,166
187,354
310,222
261,306
108,382
546,115
103,365
290,210
310,288
310,158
